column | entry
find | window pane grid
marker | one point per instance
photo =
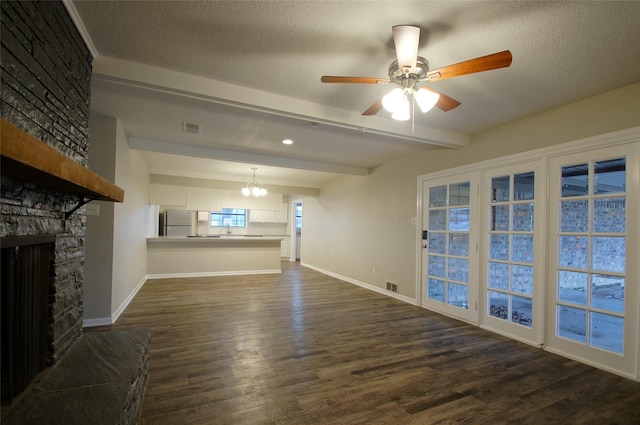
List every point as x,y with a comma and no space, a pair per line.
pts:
448,244
591,254
510,267
231,217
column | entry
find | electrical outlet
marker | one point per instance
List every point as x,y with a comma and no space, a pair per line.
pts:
373,271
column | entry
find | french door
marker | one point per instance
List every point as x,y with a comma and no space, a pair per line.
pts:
449,246
545,250
593,290
512,249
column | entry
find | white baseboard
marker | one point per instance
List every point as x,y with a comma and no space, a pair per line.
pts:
105,321
127,300
368,286
208,274
102,321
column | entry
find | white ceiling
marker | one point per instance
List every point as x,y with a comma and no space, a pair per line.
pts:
248,72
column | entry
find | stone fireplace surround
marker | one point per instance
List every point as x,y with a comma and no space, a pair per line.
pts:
45,91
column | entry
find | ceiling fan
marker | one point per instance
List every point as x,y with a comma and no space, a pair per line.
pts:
410,69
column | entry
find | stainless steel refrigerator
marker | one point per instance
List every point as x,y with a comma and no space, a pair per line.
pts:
178,223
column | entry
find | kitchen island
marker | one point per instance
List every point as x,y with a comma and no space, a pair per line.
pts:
212,255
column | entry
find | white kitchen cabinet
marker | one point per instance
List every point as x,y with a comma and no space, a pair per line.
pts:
256,216
269,216
203,199
282,216
262,216
284,247
167,195
235,199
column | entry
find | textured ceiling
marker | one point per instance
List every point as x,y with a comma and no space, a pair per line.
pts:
249,73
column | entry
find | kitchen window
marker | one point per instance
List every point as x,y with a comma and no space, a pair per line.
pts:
229,217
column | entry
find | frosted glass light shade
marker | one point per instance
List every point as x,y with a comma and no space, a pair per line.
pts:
426,99
393,100
403,113
406,39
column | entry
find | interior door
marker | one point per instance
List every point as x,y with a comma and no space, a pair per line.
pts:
448,273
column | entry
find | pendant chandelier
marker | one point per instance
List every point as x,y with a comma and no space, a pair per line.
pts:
253,188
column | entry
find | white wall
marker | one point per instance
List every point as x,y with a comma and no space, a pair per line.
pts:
115,243
357,224
131,220
99,232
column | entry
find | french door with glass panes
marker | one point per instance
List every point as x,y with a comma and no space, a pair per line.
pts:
593,283
513,251
449,246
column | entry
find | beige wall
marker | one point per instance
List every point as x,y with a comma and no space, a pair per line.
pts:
130,224
116,255
361,223
98,239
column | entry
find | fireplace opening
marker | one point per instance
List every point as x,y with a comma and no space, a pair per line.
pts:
27,268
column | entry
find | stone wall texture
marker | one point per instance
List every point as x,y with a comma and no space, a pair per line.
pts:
45,90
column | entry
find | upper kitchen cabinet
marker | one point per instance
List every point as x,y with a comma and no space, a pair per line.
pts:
203,199
199,198
235,199
282,215
168,195
269,216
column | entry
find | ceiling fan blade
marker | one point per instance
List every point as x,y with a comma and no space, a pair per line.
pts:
445,103
374,109
484,63
353,80
406,39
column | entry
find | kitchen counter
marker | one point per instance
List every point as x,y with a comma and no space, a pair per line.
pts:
214,238
212,255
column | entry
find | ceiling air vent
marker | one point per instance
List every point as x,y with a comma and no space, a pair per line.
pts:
190,127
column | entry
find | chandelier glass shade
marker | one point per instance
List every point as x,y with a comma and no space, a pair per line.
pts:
253,188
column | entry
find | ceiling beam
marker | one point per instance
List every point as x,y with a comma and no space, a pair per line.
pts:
177,83
243,157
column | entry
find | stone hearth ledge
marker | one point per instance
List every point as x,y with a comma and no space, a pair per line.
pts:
100,380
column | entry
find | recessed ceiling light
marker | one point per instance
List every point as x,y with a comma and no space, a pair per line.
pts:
287,142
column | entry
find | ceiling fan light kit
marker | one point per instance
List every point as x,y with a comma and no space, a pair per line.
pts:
426,99
410,69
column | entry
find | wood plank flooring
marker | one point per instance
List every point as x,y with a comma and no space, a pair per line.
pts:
304,348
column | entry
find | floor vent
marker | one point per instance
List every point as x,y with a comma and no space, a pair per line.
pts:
190,127
393,287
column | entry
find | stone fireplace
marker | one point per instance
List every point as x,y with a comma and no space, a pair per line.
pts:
45,95
46,73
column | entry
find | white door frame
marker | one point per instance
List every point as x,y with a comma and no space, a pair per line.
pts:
292,231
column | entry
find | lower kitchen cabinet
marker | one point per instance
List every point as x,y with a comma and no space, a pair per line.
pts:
284,247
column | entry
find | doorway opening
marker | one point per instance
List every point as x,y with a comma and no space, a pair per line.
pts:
296,230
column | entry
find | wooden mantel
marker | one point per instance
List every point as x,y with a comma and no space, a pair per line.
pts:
30,159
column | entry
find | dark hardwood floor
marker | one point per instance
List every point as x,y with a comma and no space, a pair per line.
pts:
305,348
